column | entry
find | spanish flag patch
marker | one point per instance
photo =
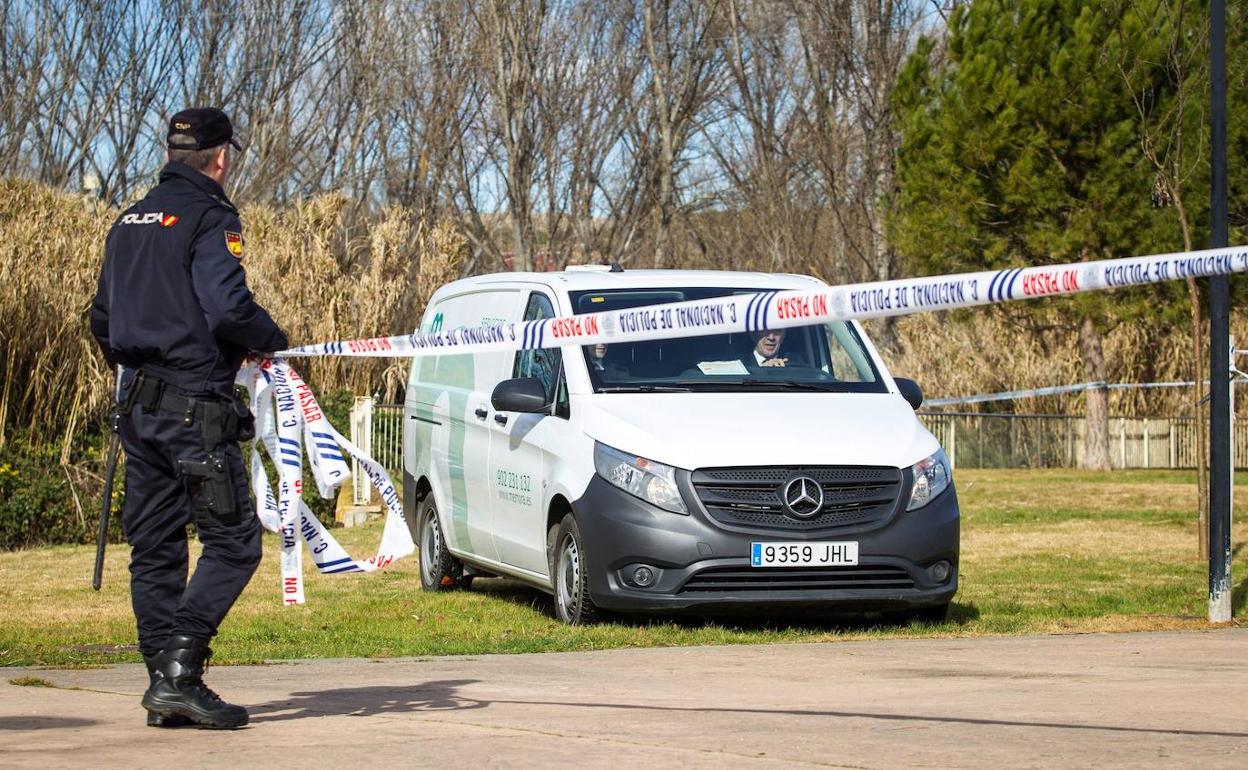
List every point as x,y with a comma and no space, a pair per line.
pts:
234,242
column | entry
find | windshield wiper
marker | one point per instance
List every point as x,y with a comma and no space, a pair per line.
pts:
772,384
646,389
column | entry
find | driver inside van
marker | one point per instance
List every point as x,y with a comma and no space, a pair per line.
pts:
766,349
599,365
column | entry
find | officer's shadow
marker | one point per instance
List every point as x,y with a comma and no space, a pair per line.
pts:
368,701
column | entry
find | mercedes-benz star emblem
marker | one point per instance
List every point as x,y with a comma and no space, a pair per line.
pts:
803,497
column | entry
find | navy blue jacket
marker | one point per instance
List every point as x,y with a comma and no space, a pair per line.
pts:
172,297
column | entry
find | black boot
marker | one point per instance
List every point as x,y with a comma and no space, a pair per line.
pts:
154,719
179,689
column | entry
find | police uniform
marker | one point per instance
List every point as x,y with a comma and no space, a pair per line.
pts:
173,308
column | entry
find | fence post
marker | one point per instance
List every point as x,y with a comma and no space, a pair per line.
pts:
1174,461
980,438
1122,442
953,442
1147,436
362,437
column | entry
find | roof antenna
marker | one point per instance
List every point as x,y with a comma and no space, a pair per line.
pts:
616,268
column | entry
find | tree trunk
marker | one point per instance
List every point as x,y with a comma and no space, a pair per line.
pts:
1096,421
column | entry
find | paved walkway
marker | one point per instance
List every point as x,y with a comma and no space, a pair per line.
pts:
1114,700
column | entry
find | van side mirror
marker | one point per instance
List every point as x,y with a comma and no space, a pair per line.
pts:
523,394
910,391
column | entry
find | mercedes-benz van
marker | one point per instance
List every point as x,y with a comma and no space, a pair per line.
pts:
702,473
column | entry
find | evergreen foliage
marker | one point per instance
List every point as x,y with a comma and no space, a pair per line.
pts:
1022,141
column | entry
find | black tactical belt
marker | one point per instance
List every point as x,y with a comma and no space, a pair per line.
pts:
152,394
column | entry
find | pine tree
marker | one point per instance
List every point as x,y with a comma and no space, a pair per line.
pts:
1021,147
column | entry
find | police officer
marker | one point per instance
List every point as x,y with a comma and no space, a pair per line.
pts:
173,308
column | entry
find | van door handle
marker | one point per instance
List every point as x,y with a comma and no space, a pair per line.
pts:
501,419
480,413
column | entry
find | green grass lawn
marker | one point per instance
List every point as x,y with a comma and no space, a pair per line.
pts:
1042,551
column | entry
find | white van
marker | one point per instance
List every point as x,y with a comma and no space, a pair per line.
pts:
692,474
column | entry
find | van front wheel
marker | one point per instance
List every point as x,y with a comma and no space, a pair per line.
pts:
570,576
439,571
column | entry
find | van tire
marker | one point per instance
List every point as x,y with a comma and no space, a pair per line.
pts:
569,574
439,570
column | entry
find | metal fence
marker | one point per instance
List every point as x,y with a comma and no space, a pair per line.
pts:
377,429
971,440
974,440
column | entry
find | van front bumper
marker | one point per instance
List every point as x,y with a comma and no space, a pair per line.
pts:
698,565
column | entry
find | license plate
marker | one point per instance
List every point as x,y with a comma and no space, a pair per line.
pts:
804,554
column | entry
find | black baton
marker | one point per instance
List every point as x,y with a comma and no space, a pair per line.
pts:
114,445
101,541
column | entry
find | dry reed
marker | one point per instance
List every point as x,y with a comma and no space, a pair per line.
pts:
324,272
328,273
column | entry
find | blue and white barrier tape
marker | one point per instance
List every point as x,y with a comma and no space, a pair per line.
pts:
778,310
1057,390
288,417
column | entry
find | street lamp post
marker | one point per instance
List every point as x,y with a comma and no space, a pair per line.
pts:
1219,334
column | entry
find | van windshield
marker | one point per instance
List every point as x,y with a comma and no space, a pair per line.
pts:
824,357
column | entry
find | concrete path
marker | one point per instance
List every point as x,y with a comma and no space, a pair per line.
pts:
1115,700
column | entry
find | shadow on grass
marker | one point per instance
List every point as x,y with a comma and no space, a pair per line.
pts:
807,618
369,701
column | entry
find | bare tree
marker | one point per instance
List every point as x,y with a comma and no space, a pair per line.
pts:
853,51
770,220
514,47
681,56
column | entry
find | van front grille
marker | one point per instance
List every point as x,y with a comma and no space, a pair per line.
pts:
747,579
752,498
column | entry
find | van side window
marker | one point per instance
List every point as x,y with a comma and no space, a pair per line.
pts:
546,364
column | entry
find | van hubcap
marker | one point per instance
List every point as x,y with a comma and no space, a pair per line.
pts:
431,547
569,576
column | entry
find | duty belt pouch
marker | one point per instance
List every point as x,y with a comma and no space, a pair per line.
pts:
241,424
211,487
132,392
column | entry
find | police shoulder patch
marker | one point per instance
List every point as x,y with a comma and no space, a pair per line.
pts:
234,242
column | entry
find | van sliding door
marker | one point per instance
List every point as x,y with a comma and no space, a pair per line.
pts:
449,402
521,449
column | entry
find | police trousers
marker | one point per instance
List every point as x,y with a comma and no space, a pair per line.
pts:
160,501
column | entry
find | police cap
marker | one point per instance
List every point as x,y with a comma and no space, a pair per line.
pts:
200,128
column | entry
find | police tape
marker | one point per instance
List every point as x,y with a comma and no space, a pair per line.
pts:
1058,390
288,418
755,312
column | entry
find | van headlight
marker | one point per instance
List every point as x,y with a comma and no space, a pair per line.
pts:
651,481
931,477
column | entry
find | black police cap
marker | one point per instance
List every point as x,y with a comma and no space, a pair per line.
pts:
200,128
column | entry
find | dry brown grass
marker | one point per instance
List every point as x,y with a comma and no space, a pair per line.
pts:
324,271
51,371
328,272
990,353
1089,539
326,277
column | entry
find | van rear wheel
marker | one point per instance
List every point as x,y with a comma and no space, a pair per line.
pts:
570,576
439,570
